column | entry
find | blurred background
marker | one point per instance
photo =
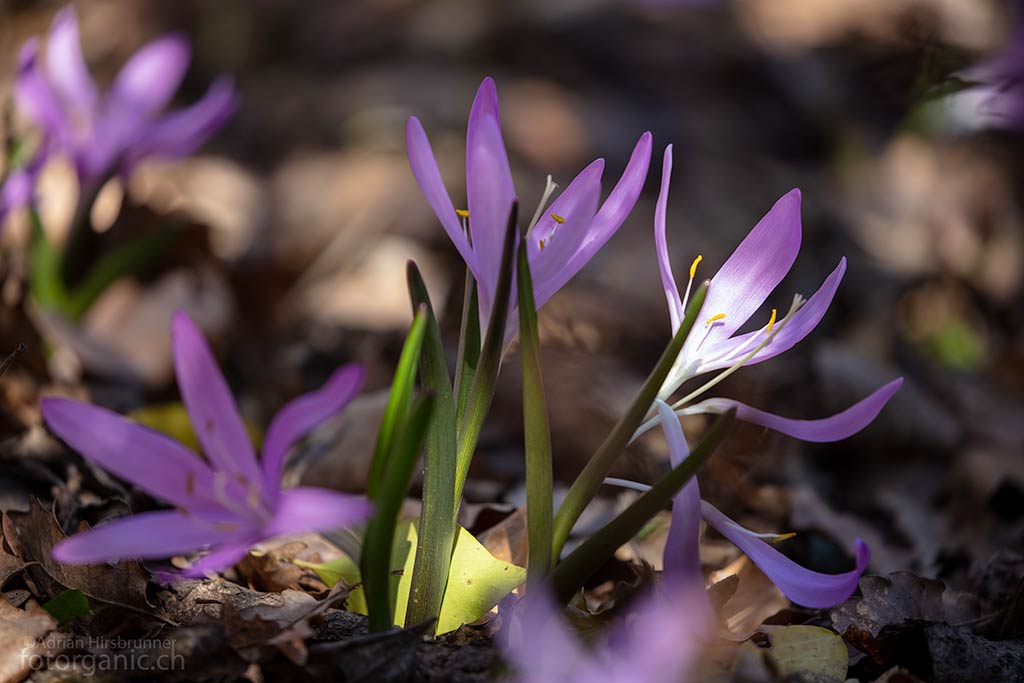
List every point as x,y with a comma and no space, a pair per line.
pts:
299,216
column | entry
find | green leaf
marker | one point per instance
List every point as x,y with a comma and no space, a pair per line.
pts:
437,515
68,606
589,556
391,491
537,433
486,376
127,259
468,356
600,464
477,582
44,278
399,400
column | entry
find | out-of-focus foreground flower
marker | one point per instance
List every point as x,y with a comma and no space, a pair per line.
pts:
227,502
658,643
737,290
561,239
682,548
108,133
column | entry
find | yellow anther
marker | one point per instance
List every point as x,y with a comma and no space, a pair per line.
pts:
715,318
228,527
540,244
558,219
462,213
779,538
693,266
771,321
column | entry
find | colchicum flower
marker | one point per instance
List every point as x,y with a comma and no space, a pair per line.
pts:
736,292
561,239
107,133
227,502
659,644
681,560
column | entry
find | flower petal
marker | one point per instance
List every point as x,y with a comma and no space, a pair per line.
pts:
489,188
155,463
221,557
541,647
424,168
181,132
614,210
668,280
65,65
834,428
303,414
729,351
306,508
34,95
801,585
576,206
681,558
148,81
210,404
748,276
150,536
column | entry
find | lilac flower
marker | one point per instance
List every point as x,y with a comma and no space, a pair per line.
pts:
659,644
106,133
737,291
561,240
228,501
682,556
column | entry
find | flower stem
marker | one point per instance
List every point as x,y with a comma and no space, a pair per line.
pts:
589,480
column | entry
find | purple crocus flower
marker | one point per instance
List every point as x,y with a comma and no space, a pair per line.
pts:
682,554
107,133
659,643
737,291
228,501
561,240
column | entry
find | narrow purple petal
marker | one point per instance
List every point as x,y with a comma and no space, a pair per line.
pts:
183,131
34,95
65,65
303,414
801,585
148,536
15,192
614,210
223,556
835,428
305,508
681,558
155,463
424,168
489,188
668,280
748,276
148,81
726,352
577,206
210,404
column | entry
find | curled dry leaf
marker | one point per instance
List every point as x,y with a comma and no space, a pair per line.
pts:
20,631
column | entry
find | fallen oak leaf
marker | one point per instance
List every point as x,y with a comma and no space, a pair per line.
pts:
20,633
32,535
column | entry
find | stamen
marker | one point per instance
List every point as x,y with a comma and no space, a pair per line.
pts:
540,243
715,318
253,499
549,188
771,322
693,266
229,527
558,219
689,285
462,213
779,538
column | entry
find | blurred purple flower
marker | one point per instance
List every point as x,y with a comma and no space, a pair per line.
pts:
107,133
682,554
562,239
737,290
228,501
659,643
